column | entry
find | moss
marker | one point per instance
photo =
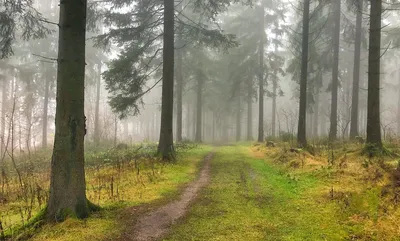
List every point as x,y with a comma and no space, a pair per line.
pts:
372,150
26,231
93,207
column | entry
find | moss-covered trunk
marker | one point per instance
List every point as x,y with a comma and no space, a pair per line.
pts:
67,180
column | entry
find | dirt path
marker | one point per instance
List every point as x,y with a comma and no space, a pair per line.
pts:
156,223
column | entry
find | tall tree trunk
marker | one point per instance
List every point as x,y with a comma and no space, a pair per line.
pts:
4,101
179,90
356,73
46,105
187,134
374,56
199,109
194,121
316,114
28,111
213,127
67,179
335,72
179,84
238,119
261,78
166,144
398,104
274,88
249,110
115,129
301,132
97,107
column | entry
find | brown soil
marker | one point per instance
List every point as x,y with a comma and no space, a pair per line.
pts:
155,224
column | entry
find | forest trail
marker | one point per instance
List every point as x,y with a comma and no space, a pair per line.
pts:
156,223
251,198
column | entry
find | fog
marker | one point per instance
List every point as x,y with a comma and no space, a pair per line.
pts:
221,53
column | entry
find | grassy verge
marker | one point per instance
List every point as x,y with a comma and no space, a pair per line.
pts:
154,183
252,197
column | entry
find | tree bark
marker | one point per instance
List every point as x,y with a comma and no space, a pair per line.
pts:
166,144
356,73
335,71
97,107
199,109
261,78
301,132
67,178
374,56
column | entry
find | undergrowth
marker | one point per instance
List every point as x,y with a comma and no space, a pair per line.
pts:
116,178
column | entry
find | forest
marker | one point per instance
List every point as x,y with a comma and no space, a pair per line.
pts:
199,120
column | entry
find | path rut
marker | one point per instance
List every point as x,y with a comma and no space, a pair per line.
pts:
155,224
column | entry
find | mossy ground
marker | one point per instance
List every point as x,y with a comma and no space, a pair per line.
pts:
257,195
151,187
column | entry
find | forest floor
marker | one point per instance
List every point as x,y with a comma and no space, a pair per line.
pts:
259,193
123,184
249,191
156,223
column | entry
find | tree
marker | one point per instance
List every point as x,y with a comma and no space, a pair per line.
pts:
249,86
356,71
179,81
97,106
199,106
261,78
301,132
67,179
19,15
47,77
335,70
166,145
374,56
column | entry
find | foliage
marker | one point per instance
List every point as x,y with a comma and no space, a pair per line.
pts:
19,18
138,32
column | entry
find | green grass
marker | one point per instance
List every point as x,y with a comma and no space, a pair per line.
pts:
106,223
252,199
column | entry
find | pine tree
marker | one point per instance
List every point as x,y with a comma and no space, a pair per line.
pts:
67,179
301,132
374,56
